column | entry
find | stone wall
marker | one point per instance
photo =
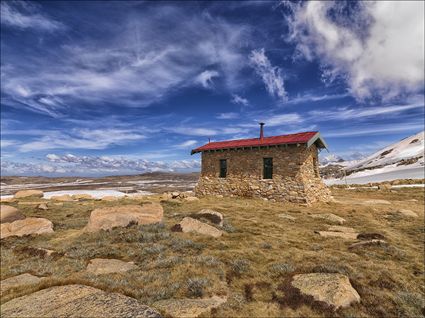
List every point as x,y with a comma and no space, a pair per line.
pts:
295,174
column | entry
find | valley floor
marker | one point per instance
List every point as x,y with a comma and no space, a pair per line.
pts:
263,246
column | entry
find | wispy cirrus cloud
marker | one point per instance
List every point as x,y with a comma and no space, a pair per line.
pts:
90,139
26,15
376,47
230,115
239,100
271,75
134,67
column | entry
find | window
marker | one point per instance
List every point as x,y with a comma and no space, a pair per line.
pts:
223,168
267,168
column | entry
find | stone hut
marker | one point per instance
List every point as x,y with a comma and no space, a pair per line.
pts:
282,168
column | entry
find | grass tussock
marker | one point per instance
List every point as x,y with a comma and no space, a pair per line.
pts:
252,263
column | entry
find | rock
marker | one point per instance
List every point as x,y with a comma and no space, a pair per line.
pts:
344,235
110,217
9,214
376,201
175,195
328,217
333,289
344,229
412,200
213,216
370,236
28,193
62,198
166,196
190,225
7,199
58,203
287,216
368,243
43,206
100,266
189,308
82,197
16,281
191,199
76,301
26,227
408,213
384,186
109,198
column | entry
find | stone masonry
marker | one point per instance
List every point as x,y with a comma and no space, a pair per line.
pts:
295,174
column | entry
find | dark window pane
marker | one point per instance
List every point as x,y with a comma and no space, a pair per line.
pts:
223,168
267,168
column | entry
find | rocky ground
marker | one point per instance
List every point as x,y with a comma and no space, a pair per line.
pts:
175,255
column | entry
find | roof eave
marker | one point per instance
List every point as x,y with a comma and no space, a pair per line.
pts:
317,138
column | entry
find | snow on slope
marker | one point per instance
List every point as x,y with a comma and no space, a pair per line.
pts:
408,148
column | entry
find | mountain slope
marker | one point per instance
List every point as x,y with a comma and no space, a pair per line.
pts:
401,160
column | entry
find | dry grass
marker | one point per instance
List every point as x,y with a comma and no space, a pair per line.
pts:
252,263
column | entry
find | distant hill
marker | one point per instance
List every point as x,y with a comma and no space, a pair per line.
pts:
401,160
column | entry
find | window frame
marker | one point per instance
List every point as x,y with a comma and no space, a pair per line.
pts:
269,169
221,174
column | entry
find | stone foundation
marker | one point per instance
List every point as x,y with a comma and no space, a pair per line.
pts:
295,175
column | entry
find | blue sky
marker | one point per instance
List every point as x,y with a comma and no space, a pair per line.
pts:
100,88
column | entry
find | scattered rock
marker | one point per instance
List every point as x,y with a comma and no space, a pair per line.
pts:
26,227
344,229
82,197
28,193
109,198
16,281
190,225
329,217
211,215
333,289
408,213
384,186
100,266
7,199
110,217
175,195
287,216
370,236
43,206
368,243
412,200
189,308
9,214
76,301
344,235
62,198
376,201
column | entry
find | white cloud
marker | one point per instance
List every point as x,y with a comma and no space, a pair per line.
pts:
186,144
7,143
238,100
227,115
71,164
378,49
271,75
193,131
26,15
345,113
81,139
206,78
136,66
282,119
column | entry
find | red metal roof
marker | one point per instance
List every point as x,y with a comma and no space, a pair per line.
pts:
299,138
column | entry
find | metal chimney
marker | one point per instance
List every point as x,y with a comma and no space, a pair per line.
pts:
261,131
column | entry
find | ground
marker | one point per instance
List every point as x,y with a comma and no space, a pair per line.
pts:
252,263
